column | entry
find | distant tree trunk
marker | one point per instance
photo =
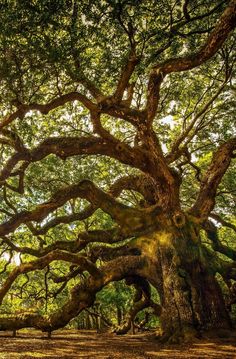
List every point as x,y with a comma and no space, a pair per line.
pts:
132,327
119,315
97,324
89,322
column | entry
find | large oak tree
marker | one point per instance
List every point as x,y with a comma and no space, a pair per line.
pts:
101,100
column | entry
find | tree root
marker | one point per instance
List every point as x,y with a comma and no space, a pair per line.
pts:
184,335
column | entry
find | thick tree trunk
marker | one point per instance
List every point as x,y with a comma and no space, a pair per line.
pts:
208,302
192,300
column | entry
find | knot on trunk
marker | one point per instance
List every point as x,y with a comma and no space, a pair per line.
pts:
179,219
120,147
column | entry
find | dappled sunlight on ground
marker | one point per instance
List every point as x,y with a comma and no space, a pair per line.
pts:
89,345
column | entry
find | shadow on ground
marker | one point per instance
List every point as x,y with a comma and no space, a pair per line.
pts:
89,345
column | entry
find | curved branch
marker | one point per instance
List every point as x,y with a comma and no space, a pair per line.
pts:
46,108
86,189
223,28
125,76
82,296
142,184
87,212
214,42
141,301
109,236
65,147
211,231
145,185
221,160
222,221
42,262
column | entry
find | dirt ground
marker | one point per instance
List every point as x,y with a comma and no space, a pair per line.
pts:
88,344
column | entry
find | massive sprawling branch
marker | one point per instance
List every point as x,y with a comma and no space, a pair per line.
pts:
109,236
220,162
65,147
222,221
23,109
126,216
142,184
66,219
149,162
42,262
145,185
141,301
82,296
125,76
214,42
212,234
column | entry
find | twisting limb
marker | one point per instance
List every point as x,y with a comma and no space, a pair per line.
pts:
143,184
100,130
84,189
125,76
82,296
141,301
65,147
220,162
214,42
46,108
109,236
42,262
212,234
222,221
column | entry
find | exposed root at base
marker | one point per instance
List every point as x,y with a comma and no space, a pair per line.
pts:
184,335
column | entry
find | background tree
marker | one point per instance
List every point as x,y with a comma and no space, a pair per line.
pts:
116,135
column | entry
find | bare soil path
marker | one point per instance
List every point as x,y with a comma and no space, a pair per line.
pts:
67,344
